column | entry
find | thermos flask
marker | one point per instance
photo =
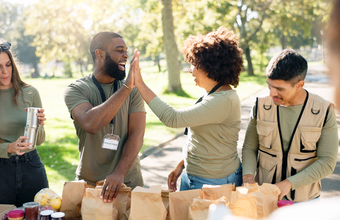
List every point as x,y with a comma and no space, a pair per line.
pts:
32,126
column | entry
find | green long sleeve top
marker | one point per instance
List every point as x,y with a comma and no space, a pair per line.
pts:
211,148
13,117
327,150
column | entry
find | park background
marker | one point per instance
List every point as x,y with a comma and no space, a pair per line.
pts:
51,40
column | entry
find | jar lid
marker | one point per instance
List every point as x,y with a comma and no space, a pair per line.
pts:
58,215
16,214
284,203
46,212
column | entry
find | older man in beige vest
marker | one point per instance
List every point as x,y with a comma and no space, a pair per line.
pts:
292,138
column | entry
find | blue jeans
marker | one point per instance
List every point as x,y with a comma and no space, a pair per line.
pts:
189,182
21,177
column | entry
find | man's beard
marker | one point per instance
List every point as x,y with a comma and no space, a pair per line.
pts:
111,68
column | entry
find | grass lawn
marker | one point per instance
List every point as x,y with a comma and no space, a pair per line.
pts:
59,152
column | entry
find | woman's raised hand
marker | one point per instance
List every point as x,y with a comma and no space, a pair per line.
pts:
134,67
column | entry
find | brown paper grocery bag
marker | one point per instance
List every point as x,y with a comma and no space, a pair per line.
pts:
122,201
72,197
179,203
165,198
213,192
147,204
93,207
199,209
254,201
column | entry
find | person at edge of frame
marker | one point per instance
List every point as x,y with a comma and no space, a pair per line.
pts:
292,137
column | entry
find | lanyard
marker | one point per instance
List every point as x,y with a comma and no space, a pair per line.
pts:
102,94
201,98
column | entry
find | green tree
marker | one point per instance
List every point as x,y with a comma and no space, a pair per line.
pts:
11,21
292,21
170,46
26,52
60,30
150,38
9,14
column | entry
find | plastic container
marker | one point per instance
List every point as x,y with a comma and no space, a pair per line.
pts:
282,203
16,215
31,210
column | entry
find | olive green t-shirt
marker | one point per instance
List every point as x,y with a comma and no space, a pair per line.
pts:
327,150
95,163
211,148
13,117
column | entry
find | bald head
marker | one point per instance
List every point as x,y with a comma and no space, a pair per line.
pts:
100,41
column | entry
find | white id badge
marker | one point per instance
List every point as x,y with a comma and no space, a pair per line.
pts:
110,142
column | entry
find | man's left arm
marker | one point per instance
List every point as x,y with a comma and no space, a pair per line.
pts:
131,149
327,152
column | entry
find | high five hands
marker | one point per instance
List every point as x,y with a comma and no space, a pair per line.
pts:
134,78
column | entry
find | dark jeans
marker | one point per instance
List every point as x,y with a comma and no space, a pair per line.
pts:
21,177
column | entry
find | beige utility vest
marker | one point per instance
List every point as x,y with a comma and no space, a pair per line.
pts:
276,165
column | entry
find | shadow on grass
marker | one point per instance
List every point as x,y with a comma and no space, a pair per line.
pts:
180,93
59,154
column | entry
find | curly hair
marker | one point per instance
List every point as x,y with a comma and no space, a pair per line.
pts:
216,53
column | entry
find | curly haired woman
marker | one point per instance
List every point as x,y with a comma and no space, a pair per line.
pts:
210,154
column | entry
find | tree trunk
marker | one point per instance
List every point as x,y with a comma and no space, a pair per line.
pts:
250,64
170,47
67,68
283,41
36,69
157,61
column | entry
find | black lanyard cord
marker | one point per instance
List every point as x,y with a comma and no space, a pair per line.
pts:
102,94
201,98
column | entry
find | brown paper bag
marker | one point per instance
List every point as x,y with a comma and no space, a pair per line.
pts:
199,209
179,203
165,198
254,201
122,201
72,197
93,207
214,192
147,204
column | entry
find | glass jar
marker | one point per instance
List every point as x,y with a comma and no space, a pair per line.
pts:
58,216
46,215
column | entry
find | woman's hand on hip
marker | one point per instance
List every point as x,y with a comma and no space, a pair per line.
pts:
18,146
